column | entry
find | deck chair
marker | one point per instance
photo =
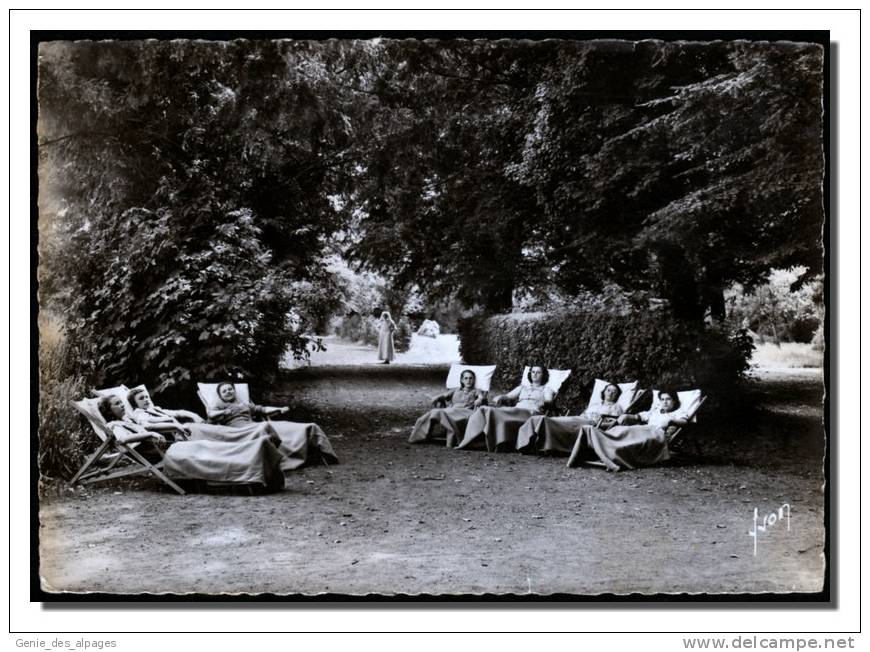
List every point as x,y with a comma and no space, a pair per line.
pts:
690,402
113,458
627,399
630,399
121,391
441,431
483,376
177,433
500,431
556,377
207,393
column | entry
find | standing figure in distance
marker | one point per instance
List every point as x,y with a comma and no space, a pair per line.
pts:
386,350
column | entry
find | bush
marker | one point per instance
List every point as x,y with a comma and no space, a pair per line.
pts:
364,329
802,329
64,436
654,348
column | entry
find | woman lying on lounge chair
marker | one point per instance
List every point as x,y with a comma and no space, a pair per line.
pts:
626,445
558,434
167,422
500,425
149,444
451,410
299,442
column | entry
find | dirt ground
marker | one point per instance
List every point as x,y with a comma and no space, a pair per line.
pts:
396,518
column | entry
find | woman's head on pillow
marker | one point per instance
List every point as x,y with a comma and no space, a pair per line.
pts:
111,407
468,379
669,400
226,392
611,393
138,398
538,373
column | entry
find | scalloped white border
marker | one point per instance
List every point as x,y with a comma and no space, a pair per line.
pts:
26,616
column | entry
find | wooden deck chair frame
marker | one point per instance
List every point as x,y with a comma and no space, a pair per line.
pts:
678,435
113,452
673,437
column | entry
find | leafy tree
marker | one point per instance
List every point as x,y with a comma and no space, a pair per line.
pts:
789,306
187,189
493,167
681,167
431,203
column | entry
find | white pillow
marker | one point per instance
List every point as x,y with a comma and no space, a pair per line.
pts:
208,394
483,373
555,380
688,402
624,400
121,392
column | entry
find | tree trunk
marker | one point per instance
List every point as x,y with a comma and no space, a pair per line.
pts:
714,298
499,300
677,282
775,332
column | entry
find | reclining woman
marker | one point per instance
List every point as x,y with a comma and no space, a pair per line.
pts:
558,434
168,423
500,425
299,442
626,445
451,410
252,461
150,444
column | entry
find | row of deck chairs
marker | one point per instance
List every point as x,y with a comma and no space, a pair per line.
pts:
632,397
116,459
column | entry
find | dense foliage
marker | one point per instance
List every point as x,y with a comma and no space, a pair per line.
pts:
193,193
649,346
63,435
788,307
493,168
185,199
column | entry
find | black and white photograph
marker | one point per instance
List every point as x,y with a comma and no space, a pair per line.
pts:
391,315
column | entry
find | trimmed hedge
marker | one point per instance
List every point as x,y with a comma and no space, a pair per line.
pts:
652,347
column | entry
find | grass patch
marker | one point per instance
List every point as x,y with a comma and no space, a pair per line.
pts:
788,354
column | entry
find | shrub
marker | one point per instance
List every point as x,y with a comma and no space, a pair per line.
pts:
654,348
64,437
802,329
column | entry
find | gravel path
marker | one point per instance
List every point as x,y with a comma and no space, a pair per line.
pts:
395,518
